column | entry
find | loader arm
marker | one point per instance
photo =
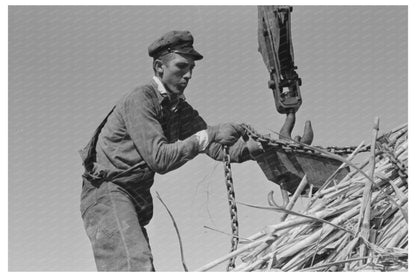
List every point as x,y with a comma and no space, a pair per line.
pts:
275,46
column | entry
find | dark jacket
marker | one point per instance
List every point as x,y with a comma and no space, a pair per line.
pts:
143,135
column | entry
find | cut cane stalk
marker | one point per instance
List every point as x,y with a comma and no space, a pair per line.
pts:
324,228
295,196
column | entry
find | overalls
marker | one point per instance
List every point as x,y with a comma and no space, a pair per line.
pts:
113,218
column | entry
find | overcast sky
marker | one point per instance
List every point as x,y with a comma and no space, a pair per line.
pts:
69,65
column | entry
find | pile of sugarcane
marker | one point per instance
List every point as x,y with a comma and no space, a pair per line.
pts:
358,224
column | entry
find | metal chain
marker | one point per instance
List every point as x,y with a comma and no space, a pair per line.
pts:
285,145
289,147
294,147
231,202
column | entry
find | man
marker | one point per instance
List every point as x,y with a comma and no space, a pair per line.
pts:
150,130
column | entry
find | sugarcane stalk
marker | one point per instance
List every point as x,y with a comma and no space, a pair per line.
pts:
365,211
403,211
279,209
342,242
319,243
326,194
295,196
279,245
294,242
282,244
388,231
287,253
397,238
241,239
177,232
389,235
249,267
350,190
398,192
285,195
272,229
395,208
327,182
231,255
260,248
347,250
390,228
401,151
270,264
312,238
403,243
333,263
401,128
302,257
355,171
340,185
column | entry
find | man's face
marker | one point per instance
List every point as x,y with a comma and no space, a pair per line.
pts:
177,72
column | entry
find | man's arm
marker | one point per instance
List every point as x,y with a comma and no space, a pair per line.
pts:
239,152
148,137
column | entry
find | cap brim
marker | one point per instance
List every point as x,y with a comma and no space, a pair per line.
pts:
191,52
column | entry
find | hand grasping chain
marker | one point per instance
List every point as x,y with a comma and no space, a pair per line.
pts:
254,147
255,143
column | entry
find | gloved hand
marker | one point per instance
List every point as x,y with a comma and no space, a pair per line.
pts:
225,134
255,148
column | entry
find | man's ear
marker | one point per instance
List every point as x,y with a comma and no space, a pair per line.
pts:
158,66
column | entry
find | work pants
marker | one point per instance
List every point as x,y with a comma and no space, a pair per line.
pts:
110,219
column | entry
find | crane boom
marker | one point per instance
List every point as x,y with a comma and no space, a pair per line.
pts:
275,45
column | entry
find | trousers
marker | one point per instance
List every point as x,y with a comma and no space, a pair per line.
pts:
112,225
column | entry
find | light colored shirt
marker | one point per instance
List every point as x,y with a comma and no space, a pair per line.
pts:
162,90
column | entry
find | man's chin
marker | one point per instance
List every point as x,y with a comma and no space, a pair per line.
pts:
179,91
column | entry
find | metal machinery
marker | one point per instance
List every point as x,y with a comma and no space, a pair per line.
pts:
275,45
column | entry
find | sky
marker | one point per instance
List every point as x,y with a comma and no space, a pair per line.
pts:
68,65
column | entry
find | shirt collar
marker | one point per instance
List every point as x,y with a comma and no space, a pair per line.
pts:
162,90
163,94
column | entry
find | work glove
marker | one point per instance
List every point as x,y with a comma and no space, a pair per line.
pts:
225,134
255,148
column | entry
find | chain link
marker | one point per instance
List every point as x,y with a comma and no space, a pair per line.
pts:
289,146
284,145
231,202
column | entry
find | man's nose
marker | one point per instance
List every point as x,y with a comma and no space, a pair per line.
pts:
188,75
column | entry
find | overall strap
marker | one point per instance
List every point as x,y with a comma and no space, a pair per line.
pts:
88,153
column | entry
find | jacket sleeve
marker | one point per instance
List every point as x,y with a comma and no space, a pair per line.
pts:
148,136
238,152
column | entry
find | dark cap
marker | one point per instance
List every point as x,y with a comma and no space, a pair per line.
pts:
180,42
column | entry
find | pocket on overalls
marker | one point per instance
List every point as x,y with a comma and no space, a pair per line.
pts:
90,224
112,205
107,226
98,215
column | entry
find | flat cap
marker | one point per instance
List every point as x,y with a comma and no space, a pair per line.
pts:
180,42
